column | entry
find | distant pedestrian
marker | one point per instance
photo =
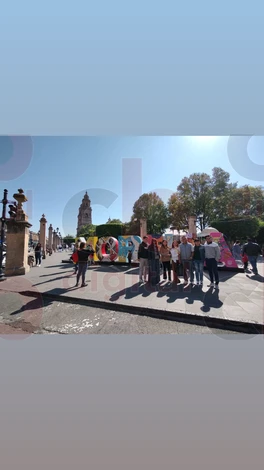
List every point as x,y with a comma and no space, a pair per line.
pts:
212,256
143,260
186,254
38,254
165,256
198,261
129,257
237,251
252,250
154,263
83,255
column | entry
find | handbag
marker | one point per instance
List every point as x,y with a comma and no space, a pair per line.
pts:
75,257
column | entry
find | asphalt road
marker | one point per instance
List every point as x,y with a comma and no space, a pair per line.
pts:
22,314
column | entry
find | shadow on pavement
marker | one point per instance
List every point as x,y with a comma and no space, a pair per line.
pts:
255,277
173,292
55,279
35,304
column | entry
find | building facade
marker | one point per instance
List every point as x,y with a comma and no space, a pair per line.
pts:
85,213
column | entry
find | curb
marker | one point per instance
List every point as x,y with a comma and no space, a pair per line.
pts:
190,318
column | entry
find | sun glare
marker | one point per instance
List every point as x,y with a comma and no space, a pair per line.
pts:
204,138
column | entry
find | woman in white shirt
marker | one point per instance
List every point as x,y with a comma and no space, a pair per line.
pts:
175,256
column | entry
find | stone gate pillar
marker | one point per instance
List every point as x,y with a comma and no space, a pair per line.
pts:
50,237
143,228
192,225
42,236
54,244
17,238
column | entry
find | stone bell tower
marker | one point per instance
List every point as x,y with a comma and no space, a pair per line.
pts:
85,213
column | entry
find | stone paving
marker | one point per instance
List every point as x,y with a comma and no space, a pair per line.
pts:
240,297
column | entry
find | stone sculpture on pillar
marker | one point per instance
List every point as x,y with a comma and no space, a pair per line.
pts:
42,236
17,238
143,227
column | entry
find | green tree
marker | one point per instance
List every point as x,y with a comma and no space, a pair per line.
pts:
114,221
151,207
222,193
178,212
260,235
247,201
238,228
69,239
87,231
193,197
111,230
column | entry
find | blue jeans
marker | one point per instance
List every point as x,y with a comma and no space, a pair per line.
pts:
198,267
253,262
38,257
82,267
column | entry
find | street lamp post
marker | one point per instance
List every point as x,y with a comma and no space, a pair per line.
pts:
3,221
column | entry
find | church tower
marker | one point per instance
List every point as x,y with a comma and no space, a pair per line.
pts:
85,213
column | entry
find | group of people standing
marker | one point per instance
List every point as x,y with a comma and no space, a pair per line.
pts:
181,256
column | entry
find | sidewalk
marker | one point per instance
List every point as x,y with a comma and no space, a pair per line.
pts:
239,302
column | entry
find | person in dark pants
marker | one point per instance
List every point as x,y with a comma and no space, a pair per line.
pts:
83,255
165,256
212,256
186,255
198,261
129,257
252,250
154,263
38,253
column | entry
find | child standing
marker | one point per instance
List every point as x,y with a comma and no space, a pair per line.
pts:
245,261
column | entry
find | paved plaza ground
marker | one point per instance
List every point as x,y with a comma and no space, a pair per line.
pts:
238,302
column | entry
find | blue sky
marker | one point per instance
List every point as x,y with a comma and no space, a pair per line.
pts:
61,169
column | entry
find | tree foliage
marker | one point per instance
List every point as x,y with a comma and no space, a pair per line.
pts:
247,201
240,228
88,230
69,239
214,198
260,235
193,197
114,221
107,230
152,208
